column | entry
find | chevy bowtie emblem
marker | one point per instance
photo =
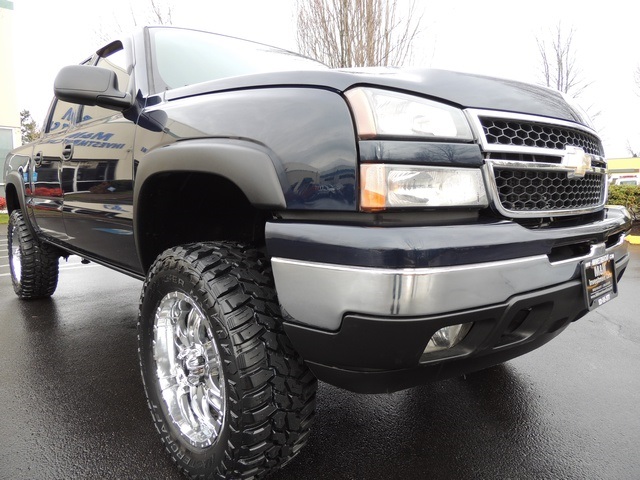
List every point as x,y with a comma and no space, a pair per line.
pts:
578,159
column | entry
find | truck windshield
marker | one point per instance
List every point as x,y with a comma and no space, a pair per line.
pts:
185,57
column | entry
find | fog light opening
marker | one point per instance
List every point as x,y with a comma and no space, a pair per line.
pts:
448,337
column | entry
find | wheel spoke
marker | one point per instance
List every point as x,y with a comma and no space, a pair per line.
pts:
180,313
201,410
213,360
167,381
194,320
214,396
164,352
183,402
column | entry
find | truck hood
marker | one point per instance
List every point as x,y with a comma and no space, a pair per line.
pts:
464,90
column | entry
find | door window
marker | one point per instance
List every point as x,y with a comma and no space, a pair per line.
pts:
63,116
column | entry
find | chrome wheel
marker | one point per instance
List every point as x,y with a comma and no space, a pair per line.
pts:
189,369
227,392
16,257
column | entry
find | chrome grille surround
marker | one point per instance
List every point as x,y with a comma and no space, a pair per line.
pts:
538,135
523,165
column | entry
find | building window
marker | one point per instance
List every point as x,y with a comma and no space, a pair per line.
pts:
6,143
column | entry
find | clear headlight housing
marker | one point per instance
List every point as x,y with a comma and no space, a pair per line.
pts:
382,113
385,186
386,113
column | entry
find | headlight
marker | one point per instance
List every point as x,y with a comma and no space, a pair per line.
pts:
385,113
388,186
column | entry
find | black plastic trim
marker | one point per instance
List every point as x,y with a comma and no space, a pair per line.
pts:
429,246
371,355
14,179
423,153
65,247
246,164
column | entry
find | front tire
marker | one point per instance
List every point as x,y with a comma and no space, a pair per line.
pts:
33,264
227,392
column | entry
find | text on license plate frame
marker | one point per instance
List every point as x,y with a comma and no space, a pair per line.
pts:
599,280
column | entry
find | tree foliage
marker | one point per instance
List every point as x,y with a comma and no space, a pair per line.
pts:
151,12
356,33
28,127
633,152
628,196
558,62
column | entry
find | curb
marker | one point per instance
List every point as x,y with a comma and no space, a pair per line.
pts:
633,239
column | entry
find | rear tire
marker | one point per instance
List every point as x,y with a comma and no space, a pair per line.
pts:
33,264
228,394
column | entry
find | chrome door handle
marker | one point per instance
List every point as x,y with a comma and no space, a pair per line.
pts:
67,152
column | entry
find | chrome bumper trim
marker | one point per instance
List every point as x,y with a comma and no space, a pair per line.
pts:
319,294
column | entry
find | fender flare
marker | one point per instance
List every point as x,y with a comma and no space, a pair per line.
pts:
15,179
248,165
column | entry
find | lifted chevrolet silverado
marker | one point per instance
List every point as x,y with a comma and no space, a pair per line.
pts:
375,229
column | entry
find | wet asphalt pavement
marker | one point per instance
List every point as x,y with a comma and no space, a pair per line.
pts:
72,406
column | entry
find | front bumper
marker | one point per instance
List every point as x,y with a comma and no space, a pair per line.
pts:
364,327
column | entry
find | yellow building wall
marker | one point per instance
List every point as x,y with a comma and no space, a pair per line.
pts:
9,112
624,165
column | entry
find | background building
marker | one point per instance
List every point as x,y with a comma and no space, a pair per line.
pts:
9,112
624,171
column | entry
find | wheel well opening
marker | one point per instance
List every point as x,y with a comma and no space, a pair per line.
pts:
178,208
11,195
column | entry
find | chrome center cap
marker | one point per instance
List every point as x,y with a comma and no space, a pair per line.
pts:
194,364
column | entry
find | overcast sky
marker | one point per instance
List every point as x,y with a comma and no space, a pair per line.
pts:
490,37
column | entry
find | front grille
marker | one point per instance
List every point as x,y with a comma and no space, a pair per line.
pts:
532,174
547,190
520,133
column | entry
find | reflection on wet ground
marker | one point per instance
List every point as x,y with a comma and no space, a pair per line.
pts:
71,401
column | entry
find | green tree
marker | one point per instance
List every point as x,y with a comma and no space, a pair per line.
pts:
628,196
28,127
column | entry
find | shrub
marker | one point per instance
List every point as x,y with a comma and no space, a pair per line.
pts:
627,195
3,203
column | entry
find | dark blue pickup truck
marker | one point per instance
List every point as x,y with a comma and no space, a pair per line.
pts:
374,228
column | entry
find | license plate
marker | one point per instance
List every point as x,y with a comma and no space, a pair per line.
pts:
599,279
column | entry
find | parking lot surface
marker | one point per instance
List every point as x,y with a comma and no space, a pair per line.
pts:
72,406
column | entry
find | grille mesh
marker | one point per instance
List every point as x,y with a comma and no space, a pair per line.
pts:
543,190
538,135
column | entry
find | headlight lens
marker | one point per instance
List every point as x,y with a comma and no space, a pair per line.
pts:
385,113
387,186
